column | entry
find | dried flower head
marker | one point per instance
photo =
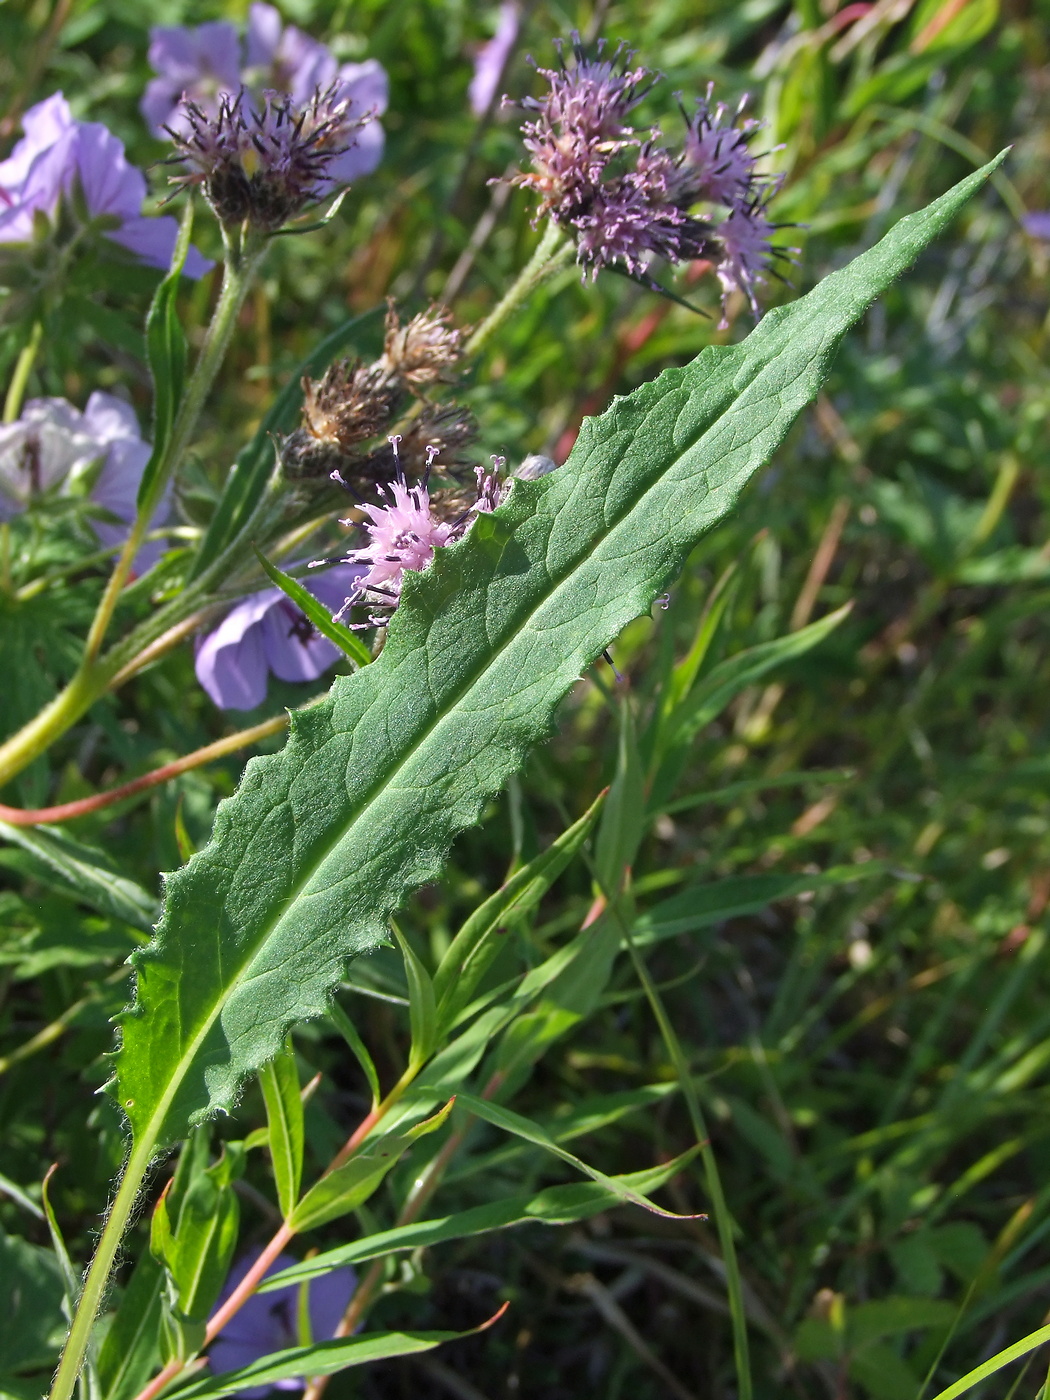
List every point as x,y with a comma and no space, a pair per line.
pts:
264,166
423,352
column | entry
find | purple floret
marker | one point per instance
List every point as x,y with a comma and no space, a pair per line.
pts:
57,155
268,1322
267,633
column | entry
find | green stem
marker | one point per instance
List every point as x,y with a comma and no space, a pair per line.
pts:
97,1280
236,280
95,675
552,253
23,368
719,1207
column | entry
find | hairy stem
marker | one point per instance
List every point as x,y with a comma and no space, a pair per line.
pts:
553,252
97,1279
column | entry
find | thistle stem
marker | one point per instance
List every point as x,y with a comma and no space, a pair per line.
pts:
552,253
20,378
97,1279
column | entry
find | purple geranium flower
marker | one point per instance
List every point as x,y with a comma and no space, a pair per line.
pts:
491,58
267,632
268,1321
203,65
57,155
52,444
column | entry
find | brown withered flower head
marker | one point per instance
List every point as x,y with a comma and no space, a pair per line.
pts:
425,351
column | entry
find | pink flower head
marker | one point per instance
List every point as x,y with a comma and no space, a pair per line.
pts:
58,155
402,534
719,162
746,251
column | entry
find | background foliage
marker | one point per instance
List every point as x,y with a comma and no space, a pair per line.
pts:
869,1051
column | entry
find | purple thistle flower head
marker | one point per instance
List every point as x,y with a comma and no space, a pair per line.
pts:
402,534
628,201
267,633
197,68
268,1322
59,157
264,166
52,446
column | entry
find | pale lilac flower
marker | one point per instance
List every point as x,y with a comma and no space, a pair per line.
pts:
267,633
52,445
58,157
491,58
200,66
268,1322
1037,223
746,252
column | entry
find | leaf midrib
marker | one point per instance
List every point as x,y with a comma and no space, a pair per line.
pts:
156,1122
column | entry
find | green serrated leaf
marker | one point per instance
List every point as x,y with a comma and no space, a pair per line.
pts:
279,1081
321,842
317,614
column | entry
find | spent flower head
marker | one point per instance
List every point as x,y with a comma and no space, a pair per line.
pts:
202,65
263,165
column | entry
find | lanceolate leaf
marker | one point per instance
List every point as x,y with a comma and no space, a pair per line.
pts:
321,841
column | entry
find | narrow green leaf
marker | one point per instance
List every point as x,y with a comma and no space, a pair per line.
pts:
476,945
623,821
130,1351
83,872
166,353
701,906
348,1031
556,1205
422,1005
321,1359
248,476
522,1127
321,842
279,1081
995,1363
316,613
350,1185
730,677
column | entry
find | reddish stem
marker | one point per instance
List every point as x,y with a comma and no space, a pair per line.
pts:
67,811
